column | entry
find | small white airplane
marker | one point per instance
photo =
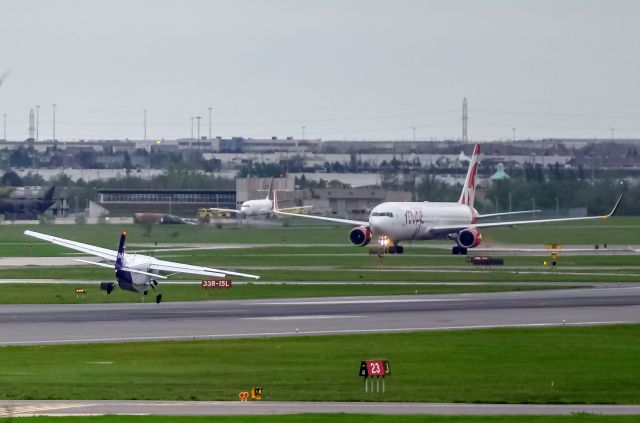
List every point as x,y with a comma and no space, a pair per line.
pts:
393,222
260,207
134,272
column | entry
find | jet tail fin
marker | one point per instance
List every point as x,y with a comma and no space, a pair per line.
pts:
270,189
469,188
48,196
120,257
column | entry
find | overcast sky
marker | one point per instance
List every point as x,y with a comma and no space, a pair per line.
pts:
343,69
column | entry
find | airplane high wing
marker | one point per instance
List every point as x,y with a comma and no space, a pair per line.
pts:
134,272
456,228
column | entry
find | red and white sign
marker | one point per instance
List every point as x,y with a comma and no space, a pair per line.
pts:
375,368
217,283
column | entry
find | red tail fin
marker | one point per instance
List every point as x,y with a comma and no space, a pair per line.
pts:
469,189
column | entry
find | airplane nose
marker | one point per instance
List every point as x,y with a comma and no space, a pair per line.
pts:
377,226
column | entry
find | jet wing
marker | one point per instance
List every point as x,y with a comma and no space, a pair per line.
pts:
276,210
173,267
326,219
485,216
451,229
74,245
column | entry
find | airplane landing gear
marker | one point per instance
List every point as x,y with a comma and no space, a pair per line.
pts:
395,249
107,286
154,283
457,250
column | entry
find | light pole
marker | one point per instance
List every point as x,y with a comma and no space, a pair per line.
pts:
37,122
514,134
54,122
613,131
198,117
303,129
210,108
414,133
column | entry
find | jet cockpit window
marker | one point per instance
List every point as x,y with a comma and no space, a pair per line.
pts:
386,214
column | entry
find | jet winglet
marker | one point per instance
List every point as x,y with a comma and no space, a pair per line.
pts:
615,208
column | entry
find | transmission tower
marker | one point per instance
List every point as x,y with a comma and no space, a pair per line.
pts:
464,120
32,126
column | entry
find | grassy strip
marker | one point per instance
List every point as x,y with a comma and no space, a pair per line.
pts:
476,274
336,418
619,230
548,365
32,293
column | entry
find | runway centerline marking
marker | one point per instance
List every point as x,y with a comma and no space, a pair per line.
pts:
365,301
326,316
314,332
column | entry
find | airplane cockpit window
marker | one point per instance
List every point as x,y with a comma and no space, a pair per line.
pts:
382,214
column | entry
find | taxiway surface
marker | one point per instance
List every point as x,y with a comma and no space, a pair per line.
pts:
81,323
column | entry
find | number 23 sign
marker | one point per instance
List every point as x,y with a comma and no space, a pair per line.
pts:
371,368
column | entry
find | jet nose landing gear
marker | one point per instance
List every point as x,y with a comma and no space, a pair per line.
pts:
385,242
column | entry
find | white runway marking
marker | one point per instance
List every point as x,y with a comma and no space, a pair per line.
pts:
364,301
313,332
303,317
33,410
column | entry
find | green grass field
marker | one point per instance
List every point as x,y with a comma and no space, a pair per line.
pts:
335,418
550,365
310,261
617,230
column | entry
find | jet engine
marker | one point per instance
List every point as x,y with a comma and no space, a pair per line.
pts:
469,238
360,236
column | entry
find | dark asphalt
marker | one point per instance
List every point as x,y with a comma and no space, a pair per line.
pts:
44,324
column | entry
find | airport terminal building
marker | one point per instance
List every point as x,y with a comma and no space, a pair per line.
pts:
180,202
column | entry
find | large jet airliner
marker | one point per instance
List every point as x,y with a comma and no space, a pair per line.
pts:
393,222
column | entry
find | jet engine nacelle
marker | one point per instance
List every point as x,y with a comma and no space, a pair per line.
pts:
469,238
360,236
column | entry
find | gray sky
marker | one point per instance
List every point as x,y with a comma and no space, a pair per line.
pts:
344,69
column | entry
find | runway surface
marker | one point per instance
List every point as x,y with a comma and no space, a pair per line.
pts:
185,408
81,323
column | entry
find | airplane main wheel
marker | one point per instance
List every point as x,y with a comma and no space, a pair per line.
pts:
158,298
457,250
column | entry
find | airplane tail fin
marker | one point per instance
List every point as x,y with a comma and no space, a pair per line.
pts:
469,189
270,189
48,196
120,257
